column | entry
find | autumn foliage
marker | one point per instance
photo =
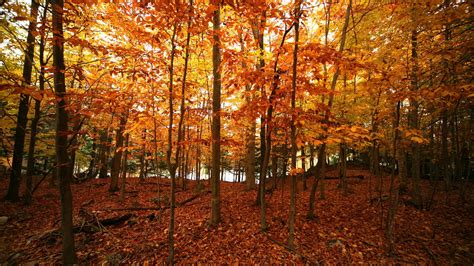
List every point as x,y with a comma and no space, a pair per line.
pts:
236,131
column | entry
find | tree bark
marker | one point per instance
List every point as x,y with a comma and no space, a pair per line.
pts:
342,168
294,148
91,170
141,174
68,247
413,114
303,165
216,120
258,34
124,170
172,165
103,153
117,159
394,193
22,116
317,178
274,170
30,168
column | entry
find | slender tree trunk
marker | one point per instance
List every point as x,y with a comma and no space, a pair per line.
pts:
172,165
68,247
284,165
250,135
394,194
317,178
22,116
34,123
91,170
444,117
342,168
402,169
141,174
124,170
258,33
413,114
73,148
198,159
216,120
303,165
274,170
103,153
117,159
294,148
333,88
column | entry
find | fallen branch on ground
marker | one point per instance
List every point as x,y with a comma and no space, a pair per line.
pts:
178,204
87,227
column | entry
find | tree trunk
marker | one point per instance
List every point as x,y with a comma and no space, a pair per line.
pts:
91,170
342,168
216,119
317,178
294,148
124,170
413,114
274,170
22,116
103,153
117,159
258,34
394,194
68,247
331,96
250,135
73,148
198,159
172,165
303,165
402,169
141,174
34,123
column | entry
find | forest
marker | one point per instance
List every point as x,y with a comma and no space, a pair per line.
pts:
236,132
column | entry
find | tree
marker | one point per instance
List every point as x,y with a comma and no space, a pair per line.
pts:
68,247
322,150
22,119
34,122
294,147
216,120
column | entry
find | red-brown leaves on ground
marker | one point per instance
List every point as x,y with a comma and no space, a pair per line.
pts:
347,229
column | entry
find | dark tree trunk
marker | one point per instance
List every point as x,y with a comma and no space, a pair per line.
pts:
342,168
68,247
317,178
294,148
394,193
34,123
303,165
103,153
141,174
216,120
124,170
413,116
116,160
91,170
73,149
274,170
22,116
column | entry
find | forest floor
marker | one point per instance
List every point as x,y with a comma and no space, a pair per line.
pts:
348,229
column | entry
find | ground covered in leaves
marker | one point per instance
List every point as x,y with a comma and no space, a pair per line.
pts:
348,229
